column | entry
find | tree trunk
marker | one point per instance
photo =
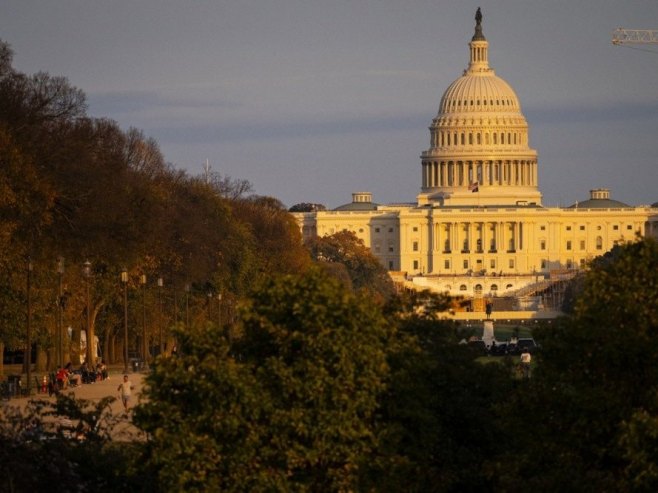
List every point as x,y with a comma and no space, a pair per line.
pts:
41,359
108,346
2,358
75,347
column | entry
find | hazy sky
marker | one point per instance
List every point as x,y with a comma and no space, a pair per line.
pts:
311,100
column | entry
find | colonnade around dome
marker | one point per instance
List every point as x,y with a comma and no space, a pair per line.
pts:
500,172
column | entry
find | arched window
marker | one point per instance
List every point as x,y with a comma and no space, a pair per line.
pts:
470,138
479,138
509,286
463,139
478,289
462,287
494,288
599,243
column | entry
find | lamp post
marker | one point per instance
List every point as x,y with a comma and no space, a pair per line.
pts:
160,285
90,335
186,288
219,310
124,281
142,281
60,313
28,351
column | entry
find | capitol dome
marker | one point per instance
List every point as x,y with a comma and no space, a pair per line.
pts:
479,140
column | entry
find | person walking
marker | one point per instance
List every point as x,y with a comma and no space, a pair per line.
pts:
125,388
526,359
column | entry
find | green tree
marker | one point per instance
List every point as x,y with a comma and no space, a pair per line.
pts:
597,370
287,406
437,419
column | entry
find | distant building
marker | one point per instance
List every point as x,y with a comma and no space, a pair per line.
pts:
478,227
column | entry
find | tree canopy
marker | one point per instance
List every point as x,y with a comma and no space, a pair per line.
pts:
286,405
83,189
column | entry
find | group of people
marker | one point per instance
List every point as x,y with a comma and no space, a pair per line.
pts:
68,377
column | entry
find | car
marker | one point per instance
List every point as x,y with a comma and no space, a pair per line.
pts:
526,344
478,345
499,349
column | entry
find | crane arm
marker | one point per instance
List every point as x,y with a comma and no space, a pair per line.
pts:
622,36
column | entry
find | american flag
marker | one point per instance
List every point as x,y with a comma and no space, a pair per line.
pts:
473,187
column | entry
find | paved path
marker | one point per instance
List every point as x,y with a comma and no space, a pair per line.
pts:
95,392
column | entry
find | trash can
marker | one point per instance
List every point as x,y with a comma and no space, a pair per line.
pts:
14,385
135,366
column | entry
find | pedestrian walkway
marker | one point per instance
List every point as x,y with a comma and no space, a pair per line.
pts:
93,392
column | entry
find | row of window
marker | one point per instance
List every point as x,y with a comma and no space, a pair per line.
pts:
479,138
569,244
492,245
492,264
456,103
615,227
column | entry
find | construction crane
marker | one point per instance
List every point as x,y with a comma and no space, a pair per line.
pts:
622,36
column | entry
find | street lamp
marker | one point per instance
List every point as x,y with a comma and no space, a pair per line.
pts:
90,335
60,311
219,310
160,285
124,281
142,281
187,306
28,351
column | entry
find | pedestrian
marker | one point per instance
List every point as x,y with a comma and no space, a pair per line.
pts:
526,358
125,388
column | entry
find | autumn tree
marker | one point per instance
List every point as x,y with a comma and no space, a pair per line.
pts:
362,267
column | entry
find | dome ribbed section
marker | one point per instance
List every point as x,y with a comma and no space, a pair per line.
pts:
479,93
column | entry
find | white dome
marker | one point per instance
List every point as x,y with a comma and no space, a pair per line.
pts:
479,140
479,92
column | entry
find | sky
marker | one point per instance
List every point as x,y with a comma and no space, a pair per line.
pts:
312,100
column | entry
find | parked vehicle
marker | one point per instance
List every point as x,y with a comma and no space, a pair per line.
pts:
523,344
499,349
478,345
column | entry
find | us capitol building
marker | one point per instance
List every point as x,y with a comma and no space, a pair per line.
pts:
478,228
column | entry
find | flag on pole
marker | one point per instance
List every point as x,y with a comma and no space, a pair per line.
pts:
473,187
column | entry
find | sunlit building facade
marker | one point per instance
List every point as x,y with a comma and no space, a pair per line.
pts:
478,226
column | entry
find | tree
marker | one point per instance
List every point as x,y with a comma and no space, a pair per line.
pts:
437,423
574,425
307,207
275,233
288,405
363,268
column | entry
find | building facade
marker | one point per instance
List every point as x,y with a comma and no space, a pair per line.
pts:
478,226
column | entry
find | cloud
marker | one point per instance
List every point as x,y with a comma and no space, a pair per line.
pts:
135,102
294,129
585,113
